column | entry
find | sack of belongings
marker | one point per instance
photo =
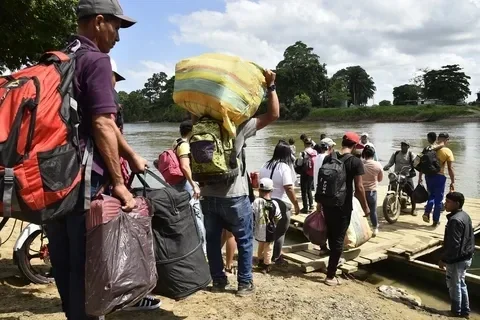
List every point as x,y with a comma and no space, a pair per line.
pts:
359,231
221,86
120,260
315,229
181,264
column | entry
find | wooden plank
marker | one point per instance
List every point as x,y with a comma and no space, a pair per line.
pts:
352,263
297,247
424,252
297,258
375,257
314,265
348,268
308,255
396,250
362,261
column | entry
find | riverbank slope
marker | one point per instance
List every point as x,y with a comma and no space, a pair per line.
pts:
286,293
423,113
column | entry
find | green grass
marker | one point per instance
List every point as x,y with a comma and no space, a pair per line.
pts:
393,113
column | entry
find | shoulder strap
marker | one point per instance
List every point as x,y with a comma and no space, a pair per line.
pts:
179,142
273,169
271,211
410,156
346,157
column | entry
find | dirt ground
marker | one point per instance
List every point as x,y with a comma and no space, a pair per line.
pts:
286,293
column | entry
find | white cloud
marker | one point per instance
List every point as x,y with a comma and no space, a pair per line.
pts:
391,40
136,78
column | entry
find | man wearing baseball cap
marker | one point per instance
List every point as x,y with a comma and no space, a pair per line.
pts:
99,22
337,199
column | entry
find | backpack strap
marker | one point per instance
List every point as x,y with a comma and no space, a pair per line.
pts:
273,169
345,157
179,141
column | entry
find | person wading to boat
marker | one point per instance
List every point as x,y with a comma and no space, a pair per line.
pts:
458,249
336,197
228,206
436,182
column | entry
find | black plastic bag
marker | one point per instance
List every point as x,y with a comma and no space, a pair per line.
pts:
420,194
120,267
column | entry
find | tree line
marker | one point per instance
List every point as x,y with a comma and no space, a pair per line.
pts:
302,80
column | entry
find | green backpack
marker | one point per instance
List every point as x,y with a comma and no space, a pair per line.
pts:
212,151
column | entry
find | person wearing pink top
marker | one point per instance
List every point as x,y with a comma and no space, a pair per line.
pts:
372,176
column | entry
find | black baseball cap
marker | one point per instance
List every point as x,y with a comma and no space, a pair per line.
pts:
444,135
87,8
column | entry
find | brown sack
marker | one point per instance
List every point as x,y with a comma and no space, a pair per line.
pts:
120,265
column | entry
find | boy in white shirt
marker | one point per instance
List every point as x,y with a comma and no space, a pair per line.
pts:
266,216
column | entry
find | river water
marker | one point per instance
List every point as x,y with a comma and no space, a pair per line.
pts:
149,139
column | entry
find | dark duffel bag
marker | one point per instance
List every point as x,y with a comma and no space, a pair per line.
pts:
181,264
420,194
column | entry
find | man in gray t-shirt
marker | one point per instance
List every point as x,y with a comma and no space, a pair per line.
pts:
227,206
401,159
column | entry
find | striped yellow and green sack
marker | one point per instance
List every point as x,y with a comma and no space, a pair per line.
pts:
359,231
223,87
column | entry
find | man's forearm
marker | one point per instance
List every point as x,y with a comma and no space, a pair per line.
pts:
187,172
106,141
360,195
452,175
124,148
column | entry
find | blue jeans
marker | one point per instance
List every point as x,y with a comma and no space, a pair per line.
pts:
457,287
66,245
436,189
234,215
372,205
197,210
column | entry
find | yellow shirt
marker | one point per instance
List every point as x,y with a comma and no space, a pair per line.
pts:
444,155
183,149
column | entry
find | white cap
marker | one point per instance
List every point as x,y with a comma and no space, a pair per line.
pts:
364,135
266,184
115,70
329,142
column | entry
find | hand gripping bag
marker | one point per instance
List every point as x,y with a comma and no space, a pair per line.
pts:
120,261
420,194
221,86
315,229
359,231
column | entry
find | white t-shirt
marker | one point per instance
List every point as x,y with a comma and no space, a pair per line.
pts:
316,167
282,176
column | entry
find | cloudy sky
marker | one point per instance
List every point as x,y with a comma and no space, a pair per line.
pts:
390,39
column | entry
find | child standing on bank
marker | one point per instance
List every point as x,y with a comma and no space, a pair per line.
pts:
266,214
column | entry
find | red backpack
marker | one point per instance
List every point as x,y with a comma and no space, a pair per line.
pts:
40,161
169,165
309,162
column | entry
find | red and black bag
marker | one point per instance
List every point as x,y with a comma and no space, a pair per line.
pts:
40,159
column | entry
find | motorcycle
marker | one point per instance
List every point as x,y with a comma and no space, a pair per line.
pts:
396,198
30,252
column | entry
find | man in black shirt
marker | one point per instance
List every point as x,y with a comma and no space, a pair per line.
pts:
338,218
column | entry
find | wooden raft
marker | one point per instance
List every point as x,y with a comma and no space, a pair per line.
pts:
408,238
